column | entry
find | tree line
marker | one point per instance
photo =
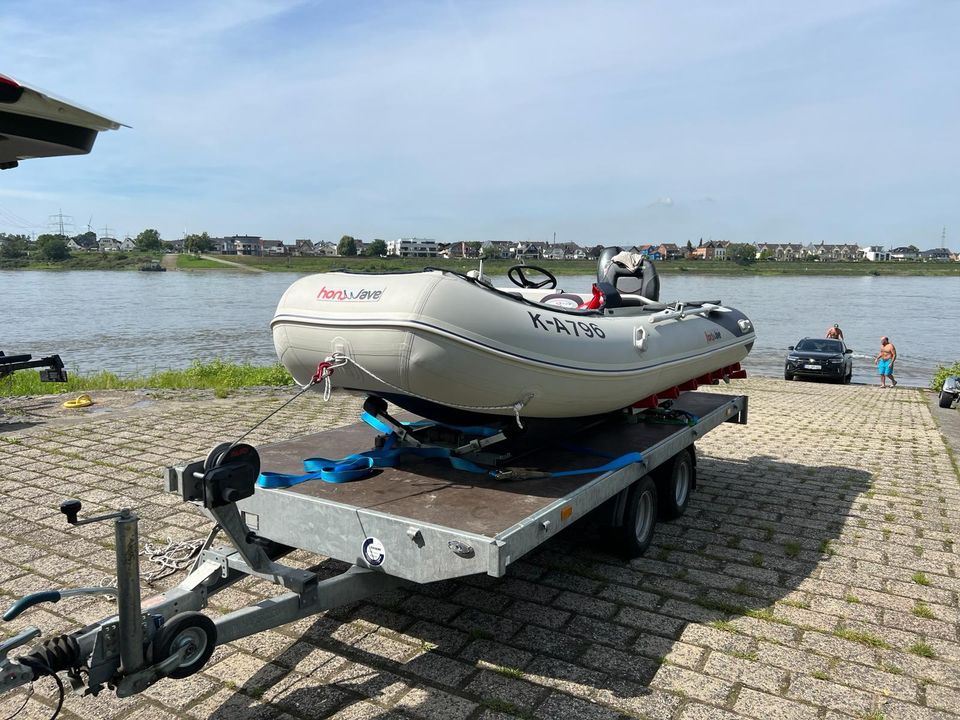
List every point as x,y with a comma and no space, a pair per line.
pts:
53,247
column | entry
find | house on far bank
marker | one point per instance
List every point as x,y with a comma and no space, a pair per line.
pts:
651,252
669,251
127,245
499,249
832,253
874,253
711,250
410,247
108,244
937,255
303,247
273,247
83,244
780,251
904,253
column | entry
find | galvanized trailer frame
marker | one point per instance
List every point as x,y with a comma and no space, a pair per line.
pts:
417,523
436,523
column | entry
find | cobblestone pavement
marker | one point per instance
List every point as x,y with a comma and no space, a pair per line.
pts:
813,576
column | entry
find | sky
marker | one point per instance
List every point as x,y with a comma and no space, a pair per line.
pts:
595,123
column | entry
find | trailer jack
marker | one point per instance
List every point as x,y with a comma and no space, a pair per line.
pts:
167,635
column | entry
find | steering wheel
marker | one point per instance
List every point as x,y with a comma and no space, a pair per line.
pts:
518,276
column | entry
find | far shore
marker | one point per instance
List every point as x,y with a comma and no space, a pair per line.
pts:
235,263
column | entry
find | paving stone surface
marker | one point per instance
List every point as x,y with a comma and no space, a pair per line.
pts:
814,575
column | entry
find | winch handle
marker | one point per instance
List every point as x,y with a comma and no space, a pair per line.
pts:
28,601
53,596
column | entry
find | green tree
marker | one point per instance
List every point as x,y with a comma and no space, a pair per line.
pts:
594,252
473,249
148,241
347,246
375,249
13,246
197,243
52,247
742,253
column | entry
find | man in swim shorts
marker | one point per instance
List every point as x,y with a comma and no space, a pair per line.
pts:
835,332
885,359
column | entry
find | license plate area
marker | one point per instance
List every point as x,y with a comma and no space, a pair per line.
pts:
813,367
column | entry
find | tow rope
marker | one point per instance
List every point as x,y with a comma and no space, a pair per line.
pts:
361,465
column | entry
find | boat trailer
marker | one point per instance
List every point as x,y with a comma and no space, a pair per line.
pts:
379,525
53,370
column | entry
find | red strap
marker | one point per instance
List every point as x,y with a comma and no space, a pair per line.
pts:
594,303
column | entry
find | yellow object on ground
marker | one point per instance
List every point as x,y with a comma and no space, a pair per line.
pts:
80,401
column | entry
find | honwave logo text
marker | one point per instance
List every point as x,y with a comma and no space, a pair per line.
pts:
349,295
711,336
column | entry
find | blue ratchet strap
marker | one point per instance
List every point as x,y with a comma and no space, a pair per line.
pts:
361,465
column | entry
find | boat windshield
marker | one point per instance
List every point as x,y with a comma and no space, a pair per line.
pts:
824,346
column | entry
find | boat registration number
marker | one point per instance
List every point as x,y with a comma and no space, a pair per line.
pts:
813,367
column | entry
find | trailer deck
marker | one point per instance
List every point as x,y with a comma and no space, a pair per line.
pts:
415,512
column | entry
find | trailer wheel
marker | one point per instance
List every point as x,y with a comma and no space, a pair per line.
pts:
192,630
946,399
639,519
675,480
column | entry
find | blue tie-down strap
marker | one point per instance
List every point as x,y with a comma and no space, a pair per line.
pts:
362,465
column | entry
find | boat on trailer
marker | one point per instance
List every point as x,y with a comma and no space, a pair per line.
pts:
451,347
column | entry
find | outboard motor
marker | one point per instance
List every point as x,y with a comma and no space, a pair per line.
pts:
629,273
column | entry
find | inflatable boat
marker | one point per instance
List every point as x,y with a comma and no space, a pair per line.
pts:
448,345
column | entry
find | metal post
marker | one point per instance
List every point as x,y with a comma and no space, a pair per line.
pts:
128,587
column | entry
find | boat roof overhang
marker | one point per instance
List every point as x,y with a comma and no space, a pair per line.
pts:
36,124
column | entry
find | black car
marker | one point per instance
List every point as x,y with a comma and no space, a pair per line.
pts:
819,357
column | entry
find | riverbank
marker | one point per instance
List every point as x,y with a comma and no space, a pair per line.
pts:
812,575
133,261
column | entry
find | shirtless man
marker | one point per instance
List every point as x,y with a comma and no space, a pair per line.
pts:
835,332
885,359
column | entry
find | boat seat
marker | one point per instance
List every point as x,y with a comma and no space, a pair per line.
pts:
640,280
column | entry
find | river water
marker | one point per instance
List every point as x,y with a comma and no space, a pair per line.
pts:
138,322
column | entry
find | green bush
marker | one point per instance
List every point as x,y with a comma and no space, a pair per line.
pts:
942,373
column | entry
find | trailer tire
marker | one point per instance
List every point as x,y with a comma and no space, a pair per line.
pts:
639,518
192,628
675,480
946,399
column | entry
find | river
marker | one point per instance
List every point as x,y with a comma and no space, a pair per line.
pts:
138,322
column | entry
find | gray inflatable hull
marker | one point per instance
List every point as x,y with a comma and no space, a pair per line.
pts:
451,340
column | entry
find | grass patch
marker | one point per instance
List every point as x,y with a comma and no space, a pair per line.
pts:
922,649
506,708
508,671
851,598
920,579
216,375
792,549
864,638
820,675
752,656
922,610
724,625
